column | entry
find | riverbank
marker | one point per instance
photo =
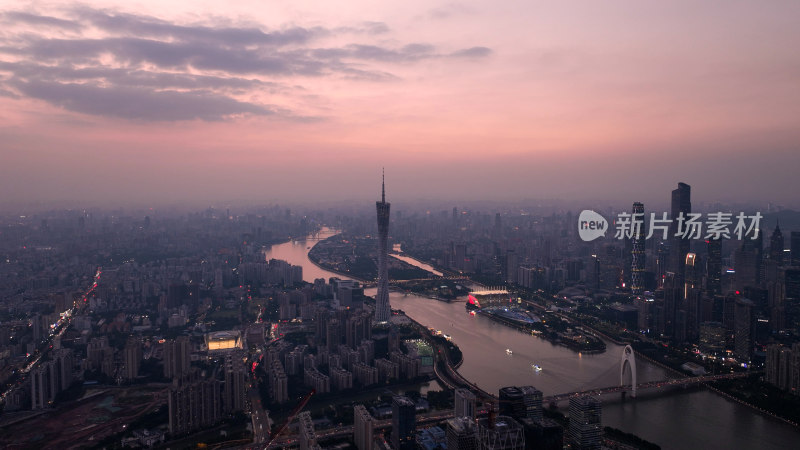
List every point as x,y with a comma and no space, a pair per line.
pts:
315,260
597,345
726,389
675,372
674,421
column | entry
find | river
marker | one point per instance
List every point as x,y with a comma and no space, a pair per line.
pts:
693,418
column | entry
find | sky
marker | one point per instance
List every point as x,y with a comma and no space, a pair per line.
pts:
203,102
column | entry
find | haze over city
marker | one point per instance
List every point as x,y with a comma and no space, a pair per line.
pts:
418,225
114,103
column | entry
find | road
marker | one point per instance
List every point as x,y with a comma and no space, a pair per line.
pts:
57,331
259,417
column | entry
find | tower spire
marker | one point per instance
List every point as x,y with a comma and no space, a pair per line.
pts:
383,309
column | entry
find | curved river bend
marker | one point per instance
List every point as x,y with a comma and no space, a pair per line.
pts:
694,418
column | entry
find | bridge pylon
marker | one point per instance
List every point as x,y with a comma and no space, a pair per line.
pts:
628,358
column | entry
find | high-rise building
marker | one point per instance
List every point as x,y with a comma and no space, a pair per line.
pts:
512,263
785,372
780,366
177,354
585,429
533,402
712,337
357,328
776,246
637,249
133,358
308,437
382,308
404,421
36,328
340,379
279,383
744,328
690,273
193,405
363,428
97,351
464,403
794,242
501,432
333,335
235,391
748,262
714,267
772,363
364,374
462,434
43,385
545,434
679,247
63,360
519,402
791,282
673,290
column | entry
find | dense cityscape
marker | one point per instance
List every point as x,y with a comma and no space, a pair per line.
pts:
126,330
428,225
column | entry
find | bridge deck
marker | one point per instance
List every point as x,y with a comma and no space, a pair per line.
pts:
647,385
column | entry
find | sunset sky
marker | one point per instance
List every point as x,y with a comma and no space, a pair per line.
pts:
207,101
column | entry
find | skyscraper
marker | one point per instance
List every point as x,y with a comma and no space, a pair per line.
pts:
500,433
464,403
637,250
177,355
462,434
308,437
235,389
133,358
714,267
43,386
794,242
404,421
193,404
776,246
382,308
519,402
363,428
679,247
585,430
744,331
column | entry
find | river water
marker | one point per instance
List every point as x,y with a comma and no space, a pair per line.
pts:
693,418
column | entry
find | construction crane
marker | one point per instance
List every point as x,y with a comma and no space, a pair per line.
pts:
291,417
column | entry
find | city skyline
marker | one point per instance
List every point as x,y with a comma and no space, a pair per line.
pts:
111,103
208,321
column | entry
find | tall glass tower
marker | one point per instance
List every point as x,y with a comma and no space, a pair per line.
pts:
637,251
382,308
679,247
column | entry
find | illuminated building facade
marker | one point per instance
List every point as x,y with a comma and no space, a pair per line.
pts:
637,251
223,340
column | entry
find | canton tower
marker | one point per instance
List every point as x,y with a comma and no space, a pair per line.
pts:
382,308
